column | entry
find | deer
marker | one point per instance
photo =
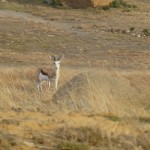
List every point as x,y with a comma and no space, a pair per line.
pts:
48,74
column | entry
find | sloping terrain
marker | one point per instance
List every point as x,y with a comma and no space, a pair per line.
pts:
82,35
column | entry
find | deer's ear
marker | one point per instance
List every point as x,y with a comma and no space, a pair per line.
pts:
60,58
52,57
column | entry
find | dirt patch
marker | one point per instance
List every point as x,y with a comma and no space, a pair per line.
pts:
82,35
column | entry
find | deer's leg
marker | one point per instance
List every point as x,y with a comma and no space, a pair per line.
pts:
49,84
41,85
56,83
38,86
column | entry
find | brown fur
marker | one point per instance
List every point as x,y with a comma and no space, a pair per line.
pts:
46,71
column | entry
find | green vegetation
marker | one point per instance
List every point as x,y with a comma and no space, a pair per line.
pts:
132,29
121,4
118,4
56,3
31,1
144,120
38,2
66,145
146,32
112,117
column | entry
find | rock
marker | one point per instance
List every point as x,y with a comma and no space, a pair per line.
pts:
85,3
139,36
128,31
87,91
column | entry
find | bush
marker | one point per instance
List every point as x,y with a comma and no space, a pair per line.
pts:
118,4
56,3
121,4
146,32
132,29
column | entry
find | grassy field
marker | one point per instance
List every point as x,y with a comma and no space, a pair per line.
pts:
103,99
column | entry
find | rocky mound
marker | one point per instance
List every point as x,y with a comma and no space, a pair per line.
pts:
95,91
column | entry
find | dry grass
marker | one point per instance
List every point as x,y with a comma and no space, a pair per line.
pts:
105,92
19,91
112,121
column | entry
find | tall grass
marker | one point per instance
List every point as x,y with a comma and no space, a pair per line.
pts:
101,92
107,92
111,119
18,89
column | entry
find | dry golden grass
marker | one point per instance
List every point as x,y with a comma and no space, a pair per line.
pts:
104,92
111,121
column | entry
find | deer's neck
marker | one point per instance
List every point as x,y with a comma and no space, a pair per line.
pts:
57,73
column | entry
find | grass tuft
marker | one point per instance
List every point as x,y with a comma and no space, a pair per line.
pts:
90,135
70,145
144,120
112,117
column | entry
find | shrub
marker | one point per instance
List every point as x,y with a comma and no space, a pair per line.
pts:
56,3
132,29
118,4
82,136
146,32
121,4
